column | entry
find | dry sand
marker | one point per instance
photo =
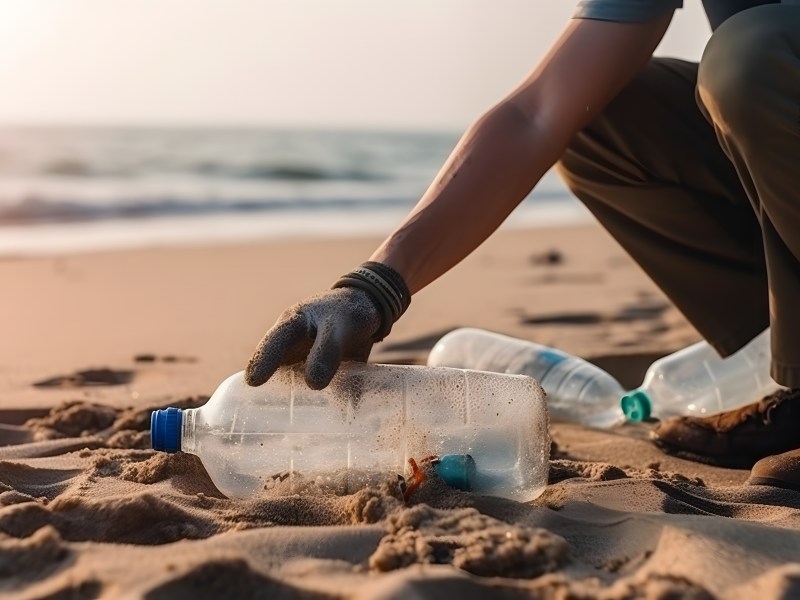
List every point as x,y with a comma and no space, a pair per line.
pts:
92,343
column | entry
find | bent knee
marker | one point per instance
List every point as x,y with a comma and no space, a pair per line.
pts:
745,62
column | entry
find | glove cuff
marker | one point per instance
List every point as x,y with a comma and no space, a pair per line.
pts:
386,286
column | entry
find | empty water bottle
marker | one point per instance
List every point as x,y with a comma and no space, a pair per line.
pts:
490,431
698,381
576,389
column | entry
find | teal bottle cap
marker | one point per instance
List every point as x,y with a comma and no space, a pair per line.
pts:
457,470
636,405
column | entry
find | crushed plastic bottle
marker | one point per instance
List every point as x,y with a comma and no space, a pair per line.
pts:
697,381
489,431
576,389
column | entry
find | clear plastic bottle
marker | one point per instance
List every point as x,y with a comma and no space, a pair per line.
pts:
370,419
576,389
697,381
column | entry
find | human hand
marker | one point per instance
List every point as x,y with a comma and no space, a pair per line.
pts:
340,324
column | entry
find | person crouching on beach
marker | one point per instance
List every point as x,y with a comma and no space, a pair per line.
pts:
693,168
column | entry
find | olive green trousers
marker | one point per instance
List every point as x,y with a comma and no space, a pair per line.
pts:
695,170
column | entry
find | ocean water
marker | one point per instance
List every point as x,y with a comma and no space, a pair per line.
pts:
78,189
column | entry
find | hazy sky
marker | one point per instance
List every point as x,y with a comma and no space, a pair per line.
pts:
420,63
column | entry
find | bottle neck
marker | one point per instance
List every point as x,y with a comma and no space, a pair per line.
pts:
188,442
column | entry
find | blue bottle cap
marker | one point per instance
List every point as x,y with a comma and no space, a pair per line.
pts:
636,405
457,470
165,429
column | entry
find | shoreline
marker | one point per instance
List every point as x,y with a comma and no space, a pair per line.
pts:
143,233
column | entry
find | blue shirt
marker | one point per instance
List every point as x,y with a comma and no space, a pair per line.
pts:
644,10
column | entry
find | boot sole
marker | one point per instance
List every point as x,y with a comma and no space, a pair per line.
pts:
724,462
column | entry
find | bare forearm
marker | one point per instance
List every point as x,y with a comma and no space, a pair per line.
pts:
495,165
507,151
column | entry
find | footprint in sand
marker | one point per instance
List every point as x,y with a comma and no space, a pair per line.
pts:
169,358
105,375
550,258
87,378
577,318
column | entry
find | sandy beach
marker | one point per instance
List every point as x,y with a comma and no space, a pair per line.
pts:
93,342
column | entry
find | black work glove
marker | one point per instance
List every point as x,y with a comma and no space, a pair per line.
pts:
340,324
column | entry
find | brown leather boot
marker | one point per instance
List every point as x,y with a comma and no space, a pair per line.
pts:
782,470
735,438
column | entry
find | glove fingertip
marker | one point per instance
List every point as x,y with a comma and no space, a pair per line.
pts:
319,375
254,377
259,369
253,380
273,348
